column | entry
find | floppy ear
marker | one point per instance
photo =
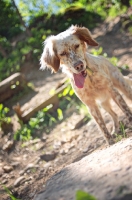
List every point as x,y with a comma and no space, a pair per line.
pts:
85,35
49,56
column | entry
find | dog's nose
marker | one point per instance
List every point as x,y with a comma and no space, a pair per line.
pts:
78,65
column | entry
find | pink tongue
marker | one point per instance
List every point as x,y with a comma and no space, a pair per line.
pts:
79,80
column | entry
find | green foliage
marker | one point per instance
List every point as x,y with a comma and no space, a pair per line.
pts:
44,19
60,114
10,25
3,115
81,195
104,8
119,137
113,60
28,9
10,194
130,29
23,134
46,118
97,52
122,128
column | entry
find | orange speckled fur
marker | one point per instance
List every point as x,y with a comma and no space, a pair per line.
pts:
68,50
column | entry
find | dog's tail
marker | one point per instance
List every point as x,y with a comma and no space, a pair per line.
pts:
122,83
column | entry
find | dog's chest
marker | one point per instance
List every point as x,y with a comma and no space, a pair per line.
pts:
95,88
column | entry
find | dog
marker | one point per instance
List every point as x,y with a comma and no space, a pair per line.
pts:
94,79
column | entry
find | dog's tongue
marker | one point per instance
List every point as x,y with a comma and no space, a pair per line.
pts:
79,80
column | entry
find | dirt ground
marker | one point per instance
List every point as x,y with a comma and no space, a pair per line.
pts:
24,170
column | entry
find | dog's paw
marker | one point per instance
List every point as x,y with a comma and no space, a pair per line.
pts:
110,141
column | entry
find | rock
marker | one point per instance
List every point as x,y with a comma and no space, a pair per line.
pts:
8,145
47,165
48,156
18,181
5,176
39,146
15,164
57,145
7,168
105,174
1,171
29,166
4,181
25,156
62,151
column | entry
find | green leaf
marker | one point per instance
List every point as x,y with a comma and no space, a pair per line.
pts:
10,193
47,107
71,92
81,195
6,110
1,107
66,91
60,114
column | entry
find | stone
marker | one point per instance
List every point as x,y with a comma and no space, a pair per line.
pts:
7,168
27,168
1,171
48,156
103,174
18,181
4,181
8,145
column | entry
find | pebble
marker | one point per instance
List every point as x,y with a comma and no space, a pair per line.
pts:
8,145
57,144
18,181
4,181
62,152
27,168
15,164
48,156
7,168
1,171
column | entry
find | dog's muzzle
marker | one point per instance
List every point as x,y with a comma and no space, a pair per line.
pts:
84,73
79,66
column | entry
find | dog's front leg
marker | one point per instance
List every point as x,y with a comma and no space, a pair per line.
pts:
95,112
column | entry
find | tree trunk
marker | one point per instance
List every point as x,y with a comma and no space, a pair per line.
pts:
3,52
21,20
125,3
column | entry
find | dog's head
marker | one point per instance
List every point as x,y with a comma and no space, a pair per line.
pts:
67,50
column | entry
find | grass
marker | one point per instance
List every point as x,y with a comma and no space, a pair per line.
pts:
10,193
3,116
119,137
81,195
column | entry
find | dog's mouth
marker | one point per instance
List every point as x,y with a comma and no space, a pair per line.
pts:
80,78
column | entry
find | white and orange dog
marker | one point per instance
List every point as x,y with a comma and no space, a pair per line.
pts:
95,80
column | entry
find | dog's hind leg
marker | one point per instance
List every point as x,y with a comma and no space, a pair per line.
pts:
95,112
121,103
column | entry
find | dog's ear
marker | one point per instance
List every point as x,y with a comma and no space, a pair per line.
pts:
49,56
84,34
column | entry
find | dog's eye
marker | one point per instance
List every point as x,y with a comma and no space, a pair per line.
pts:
76,46
63,53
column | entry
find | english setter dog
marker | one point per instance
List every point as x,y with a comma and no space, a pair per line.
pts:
94,79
